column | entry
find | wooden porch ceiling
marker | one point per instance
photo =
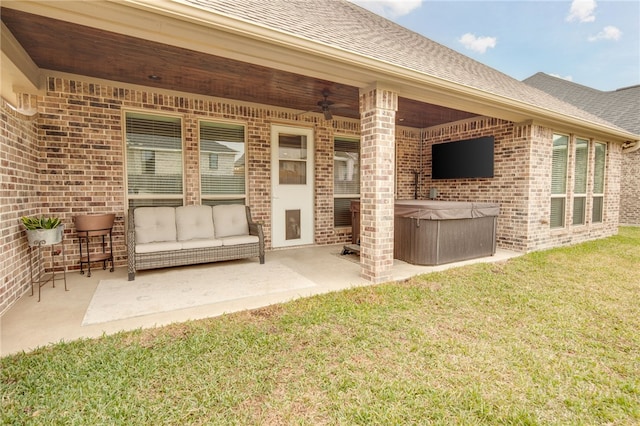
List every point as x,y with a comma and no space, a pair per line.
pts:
68,47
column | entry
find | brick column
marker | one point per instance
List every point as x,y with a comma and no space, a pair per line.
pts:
377,113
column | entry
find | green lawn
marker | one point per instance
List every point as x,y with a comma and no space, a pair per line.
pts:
548,338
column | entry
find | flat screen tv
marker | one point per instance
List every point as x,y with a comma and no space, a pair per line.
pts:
470,158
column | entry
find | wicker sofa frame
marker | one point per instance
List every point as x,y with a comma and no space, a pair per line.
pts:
166,259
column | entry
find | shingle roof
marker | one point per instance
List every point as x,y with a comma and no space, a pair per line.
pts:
351,28
621,107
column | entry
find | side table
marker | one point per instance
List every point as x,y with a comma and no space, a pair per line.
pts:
38,276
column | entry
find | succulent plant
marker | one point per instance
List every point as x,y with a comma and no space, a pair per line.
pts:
32,223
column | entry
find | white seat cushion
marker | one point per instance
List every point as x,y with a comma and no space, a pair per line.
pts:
230,220
194,222
158,246
239,239
201,243
155,224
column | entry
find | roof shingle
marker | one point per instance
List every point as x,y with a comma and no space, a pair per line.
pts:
620,107
351,28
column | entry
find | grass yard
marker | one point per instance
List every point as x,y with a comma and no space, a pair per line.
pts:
548,338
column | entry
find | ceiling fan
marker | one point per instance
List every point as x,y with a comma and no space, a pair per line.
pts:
325,105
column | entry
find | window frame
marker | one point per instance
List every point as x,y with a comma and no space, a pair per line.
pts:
351,195
599,195
559,195
134,199
580,196
221,198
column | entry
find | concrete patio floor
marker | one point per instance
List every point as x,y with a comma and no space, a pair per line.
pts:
59,315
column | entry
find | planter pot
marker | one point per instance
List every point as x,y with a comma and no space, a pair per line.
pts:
45,237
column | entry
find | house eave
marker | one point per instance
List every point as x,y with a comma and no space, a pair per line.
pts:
185,25
19,73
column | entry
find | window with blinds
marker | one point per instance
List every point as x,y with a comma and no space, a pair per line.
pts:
559,180
346,178
580,181
154,160
222,163
599,167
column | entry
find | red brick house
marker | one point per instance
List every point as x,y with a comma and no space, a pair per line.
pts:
620,107
111,105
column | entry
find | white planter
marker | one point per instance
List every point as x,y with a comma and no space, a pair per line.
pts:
45,237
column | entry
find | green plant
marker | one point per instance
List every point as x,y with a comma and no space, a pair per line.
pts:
32,223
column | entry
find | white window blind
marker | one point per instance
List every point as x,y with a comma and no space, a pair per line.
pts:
346,178
559,180
154,159
223,179
599,167
580,181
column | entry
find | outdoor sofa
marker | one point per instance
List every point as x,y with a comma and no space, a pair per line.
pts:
160,237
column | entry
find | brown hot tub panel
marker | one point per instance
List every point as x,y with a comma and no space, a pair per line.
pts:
428,232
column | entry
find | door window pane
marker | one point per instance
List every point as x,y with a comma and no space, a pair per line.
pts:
293,159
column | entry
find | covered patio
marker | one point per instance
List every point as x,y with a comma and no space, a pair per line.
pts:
330,74
60,315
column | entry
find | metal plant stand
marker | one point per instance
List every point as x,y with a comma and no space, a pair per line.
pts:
38,276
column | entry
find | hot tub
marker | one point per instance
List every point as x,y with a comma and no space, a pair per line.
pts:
431,232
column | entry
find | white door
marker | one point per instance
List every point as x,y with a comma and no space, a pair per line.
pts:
291,186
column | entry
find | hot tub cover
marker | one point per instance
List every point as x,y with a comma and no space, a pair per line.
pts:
444,210
438,210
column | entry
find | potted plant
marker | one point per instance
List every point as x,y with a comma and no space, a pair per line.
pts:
43,231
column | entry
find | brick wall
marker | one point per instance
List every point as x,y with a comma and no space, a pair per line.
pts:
19,197
407,162
522,183
69,160
509,185
630,189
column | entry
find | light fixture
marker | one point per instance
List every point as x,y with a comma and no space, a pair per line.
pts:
154,77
